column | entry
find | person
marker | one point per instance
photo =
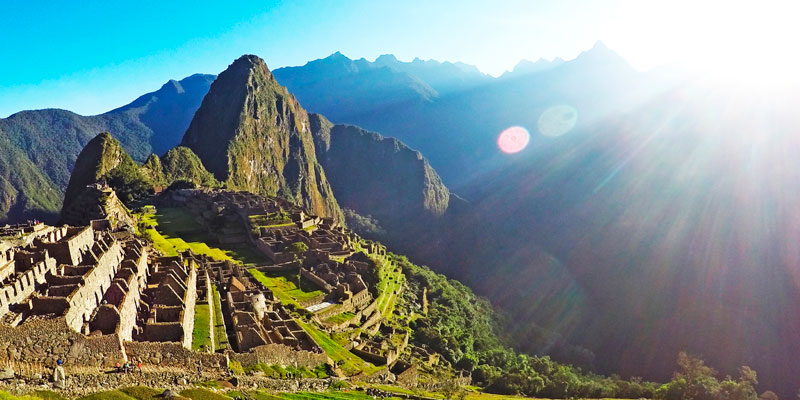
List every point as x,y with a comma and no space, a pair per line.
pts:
119,367
139,364
59,376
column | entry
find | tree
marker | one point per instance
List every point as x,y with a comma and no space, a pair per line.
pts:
297,248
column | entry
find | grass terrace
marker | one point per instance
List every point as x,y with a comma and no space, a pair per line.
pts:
347,361
220,336
174,229
201,335
339,318
284,286
390,284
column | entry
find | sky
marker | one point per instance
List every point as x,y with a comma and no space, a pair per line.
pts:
92,56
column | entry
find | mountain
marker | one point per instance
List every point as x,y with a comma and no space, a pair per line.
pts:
379,177
456,128
370,89
252,134
168,111
444,77
664,208
104,159
18,174
526,67
46,143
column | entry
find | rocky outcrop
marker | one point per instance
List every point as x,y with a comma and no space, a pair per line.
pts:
100,156
378,176
252,134
97,202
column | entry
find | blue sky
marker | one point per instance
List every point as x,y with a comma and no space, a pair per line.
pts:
92,56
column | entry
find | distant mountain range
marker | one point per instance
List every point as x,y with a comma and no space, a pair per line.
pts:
663,218
44,144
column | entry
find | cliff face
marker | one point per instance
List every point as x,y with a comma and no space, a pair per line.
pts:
252,134
378,176
99,157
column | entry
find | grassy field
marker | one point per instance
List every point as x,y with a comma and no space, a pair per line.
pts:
220,336
201,335
339,318
174,229
350,363
276,289
285,283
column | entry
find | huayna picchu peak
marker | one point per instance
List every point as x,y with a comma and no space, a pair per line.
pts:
252,134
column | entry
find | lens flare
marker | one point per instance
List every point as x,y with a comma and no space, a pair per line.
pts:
513,139
557,120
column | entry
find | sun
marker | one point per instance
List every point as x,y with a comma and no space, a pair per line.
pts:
745,43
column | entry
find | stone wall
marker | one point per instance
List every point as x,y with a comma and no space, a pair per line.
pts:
128,310
282,355
16,291
173,354
69,251
46,340
87,297
189,301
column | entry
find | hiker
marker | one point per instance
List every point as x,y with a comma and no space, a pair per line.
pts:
139,364
59,376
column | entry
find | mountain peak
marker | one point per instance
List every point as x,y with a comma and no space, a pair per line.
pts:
386,58
599,45
252,134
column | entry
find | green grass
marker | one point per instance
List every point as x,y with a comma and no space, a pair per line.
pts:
174,229
390,283
142,392
351,364
276,288
339,318
283,285
201,335
108,395
48,395
9,396
202,394
220,336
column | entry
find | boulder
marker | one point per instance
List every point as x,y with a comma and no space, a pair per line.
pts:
7,373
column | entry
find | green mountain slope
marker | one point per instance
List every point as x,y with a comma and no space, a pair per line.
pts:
253,135
377,176
51,140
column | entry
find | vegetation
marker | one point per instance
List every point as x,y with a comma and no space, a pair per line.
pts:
220,336
464,329
696,381
364,225
390,282
347,361
174,229
181,164
297,248
202,394
290,288
339,318
201,334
